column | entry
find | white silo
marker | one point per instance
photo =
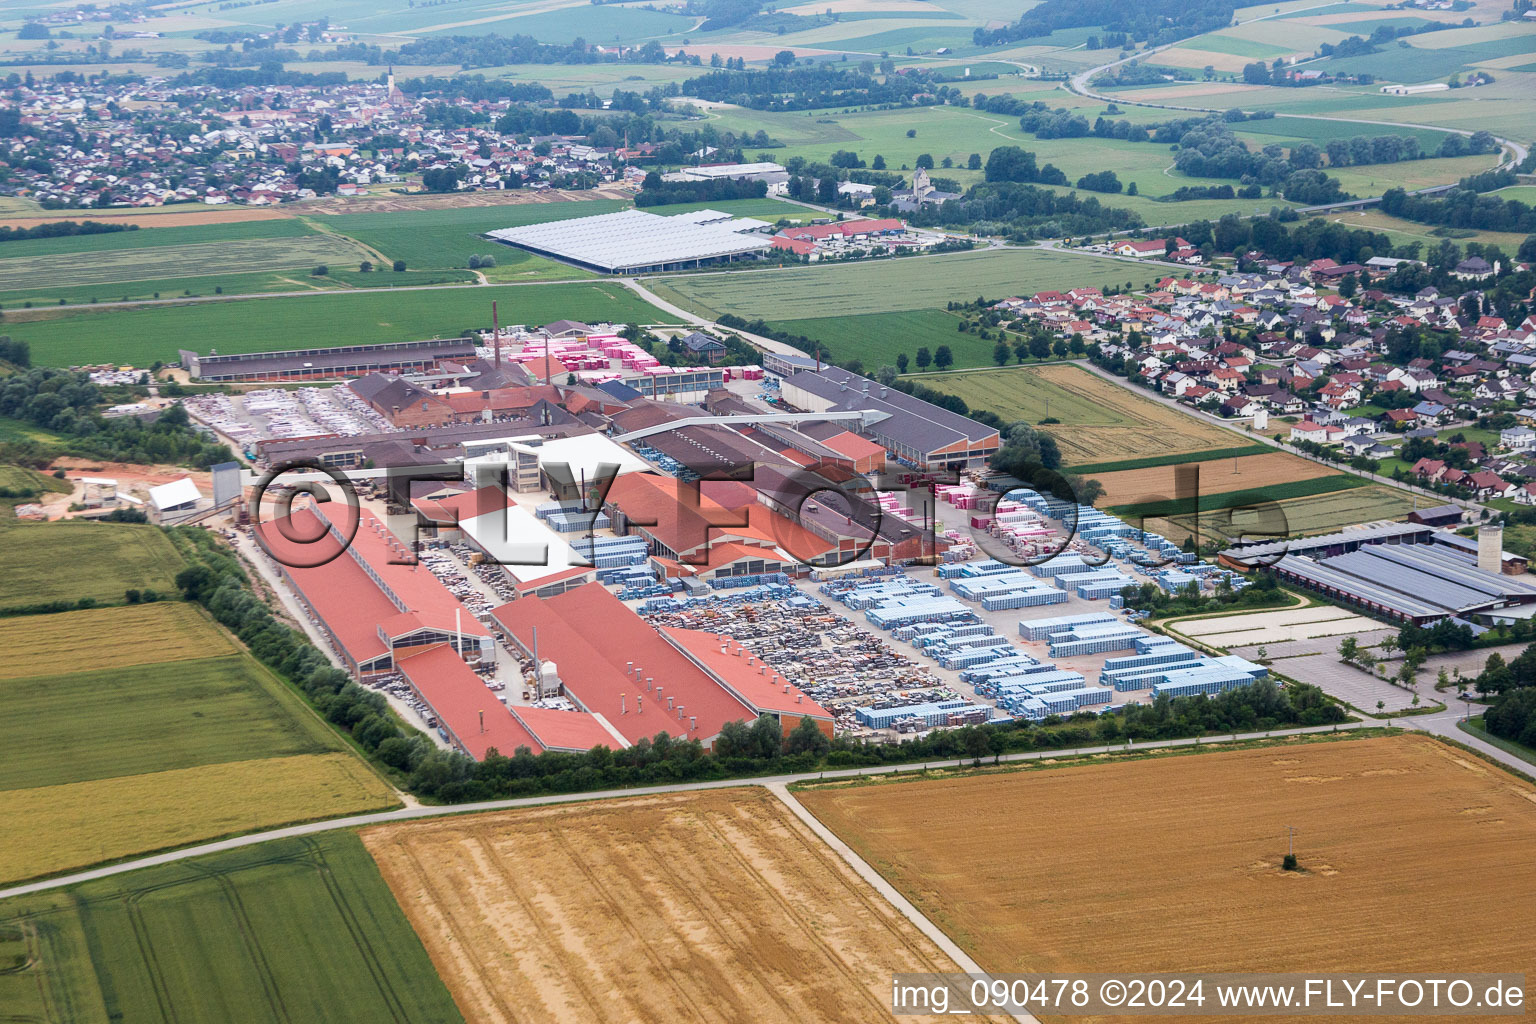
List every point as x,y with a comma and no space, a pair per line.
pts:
1490,548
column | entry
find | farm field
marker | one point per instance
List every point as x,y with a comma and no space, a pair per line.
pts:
1297,517
169,237
1376,817
67,561
448,237
142,335
1403,231
878,338
883,286
19,481
1100,421
84,823
204,740
295,929
719,898
340,277
1216,477
1252,496
143,634
162,262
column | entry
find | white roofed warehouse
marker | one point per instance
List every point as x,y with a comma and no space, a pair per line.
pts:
633,241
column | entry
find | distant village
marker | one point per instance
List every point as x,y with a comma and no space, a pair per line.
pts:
80,144
1282,341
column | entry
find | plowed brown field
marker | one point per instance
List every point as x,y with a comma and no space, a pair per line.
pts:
1218,476
709,906
1416,858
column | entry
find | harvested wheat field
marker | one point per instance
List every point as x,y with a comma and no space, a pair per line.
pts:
712,906
141,635
1172,863
1218,476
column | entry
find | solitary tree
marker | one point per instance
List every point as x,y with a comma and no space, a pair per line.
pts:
1349,649
1001,352
943,358
901,363
924,358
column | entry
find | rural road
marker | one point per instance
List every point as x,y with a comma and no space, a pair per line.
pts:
877,882
413,813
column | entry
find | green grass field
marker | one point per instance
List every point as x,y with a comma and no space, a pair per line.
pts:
173,736
1153,462
70,560
1234,499
207,711
877,338
341,277
292,930
16,430
883,286
1299,517
447,238
103,269
78,335
1021,393
21,482
153,238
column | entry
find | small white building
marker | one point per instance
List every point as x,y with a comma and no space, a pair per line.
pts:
173,501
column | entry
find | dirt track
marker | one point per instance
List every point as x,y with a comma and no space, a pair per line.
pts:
1173,863
712,906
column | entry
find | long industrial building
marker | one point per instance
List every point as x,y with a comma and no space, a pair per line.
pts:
1436,578
643,681
913,431
633,241
332,363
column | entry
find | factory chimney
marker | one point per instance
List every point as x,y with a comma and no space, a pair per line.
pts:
1490,548
495,334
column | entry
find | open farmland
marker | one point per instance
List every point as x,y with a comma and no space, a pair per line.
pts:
717,905
448,237
1216,477
292,930
878,338
1180,870
84,823
176,261
1100,420
173,252
141,635
67,561
1296,517
172,737
144,334
881,286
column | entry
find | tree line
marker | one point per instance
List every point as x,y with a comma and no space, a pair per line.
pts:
1023,212
62,228
1462,208
823,85
655,192
1152,21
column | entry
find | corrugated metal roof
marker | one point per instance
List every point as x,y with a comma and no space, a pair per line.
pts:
630,239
